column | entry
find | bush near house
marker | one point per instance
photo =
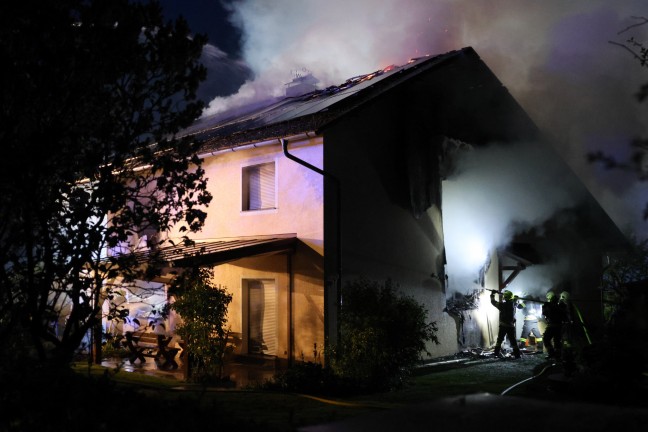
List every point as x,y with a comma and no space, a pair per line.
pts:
383,334
203,308
615,353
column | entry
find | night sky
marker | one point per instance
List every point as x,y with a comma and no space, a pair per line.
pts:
209,17
554,56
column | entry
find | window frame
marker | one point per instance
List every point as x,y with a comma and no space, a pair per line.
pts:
246,201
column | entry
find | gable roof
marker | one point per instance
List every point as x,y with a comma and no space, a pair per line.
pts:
311,112
478,109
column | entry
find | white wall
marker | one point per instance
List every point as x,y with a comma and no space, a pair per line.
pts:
299,210
299,195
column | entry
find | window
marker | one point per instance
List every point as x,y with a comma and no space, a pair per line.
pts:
259,187
261,317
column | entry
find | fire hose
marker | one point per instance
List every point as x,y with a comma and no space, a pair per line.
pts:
580,318
528,379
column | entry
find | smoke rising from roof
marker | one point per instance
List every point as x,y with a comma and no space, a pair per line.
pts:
554,57
495,193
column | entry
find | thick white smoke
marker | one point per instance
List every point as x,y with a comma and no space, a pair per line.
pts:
495,191
553,55
335,40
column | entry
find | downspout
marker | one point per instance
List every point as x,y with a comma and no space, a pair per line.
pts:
338,236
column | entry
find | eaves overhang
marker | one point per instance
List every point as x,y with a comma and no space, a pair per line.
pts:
221,251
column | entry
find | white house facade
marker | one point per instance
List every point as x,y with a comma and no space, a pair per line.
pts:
313,191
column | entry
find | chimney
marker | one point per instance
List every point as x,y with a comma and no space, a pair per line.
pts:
303,82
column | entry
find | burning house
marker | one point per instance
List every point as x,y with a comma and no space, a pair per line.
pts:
363,179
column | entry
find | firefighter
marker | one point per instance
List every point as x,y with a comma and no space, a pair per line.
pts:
569,308
568,335
555,314
506,306
530,327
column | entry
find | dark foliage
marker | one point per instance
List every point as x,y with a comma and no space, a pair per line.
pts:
93,95
383,336
637,161
617,356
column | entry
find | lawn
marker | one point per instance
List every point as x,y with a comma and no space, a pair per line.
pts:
267,410
95,398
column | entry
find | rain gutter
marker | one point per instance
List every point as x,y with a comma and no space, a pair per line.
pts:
338,232
251,145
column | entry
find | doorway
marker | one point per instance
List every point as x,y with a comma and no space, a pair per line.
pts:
261,316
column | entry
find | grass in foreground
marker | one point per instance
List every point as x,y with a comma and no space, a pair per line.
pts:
288,411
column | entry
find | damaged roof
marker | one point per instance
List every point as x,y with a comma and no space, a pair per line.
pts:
311,111
224,250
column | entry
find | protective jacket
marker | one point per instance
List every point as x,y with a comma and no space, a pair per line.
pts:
506,324
555,313
506,311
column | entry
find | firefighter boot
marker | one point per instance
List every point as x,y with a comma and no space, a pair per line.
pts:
516,352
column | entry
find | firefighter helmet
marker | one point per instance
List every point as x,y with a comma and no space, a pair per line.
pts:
564,296
550,295
508,295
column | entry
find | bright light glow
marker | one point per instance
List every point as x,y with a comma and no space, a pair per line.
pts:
476,253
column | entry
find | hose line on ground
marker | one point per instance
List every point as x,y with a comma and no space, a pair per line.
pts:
529,379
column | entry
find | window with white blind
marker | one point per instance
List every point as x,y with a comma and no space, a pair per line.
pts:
259,187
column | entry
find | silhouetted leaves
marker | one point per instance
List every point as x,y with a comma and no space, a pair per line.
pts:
94,94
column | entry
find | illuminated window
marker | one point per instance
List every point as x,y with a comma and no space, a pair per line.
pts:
259,187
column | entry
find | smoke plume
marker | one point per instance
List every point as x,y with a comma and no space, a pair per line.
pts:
554,56
495,193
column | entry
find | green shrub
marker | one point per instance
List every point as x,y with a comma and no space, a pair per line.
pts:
203,308
113,347
383,334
